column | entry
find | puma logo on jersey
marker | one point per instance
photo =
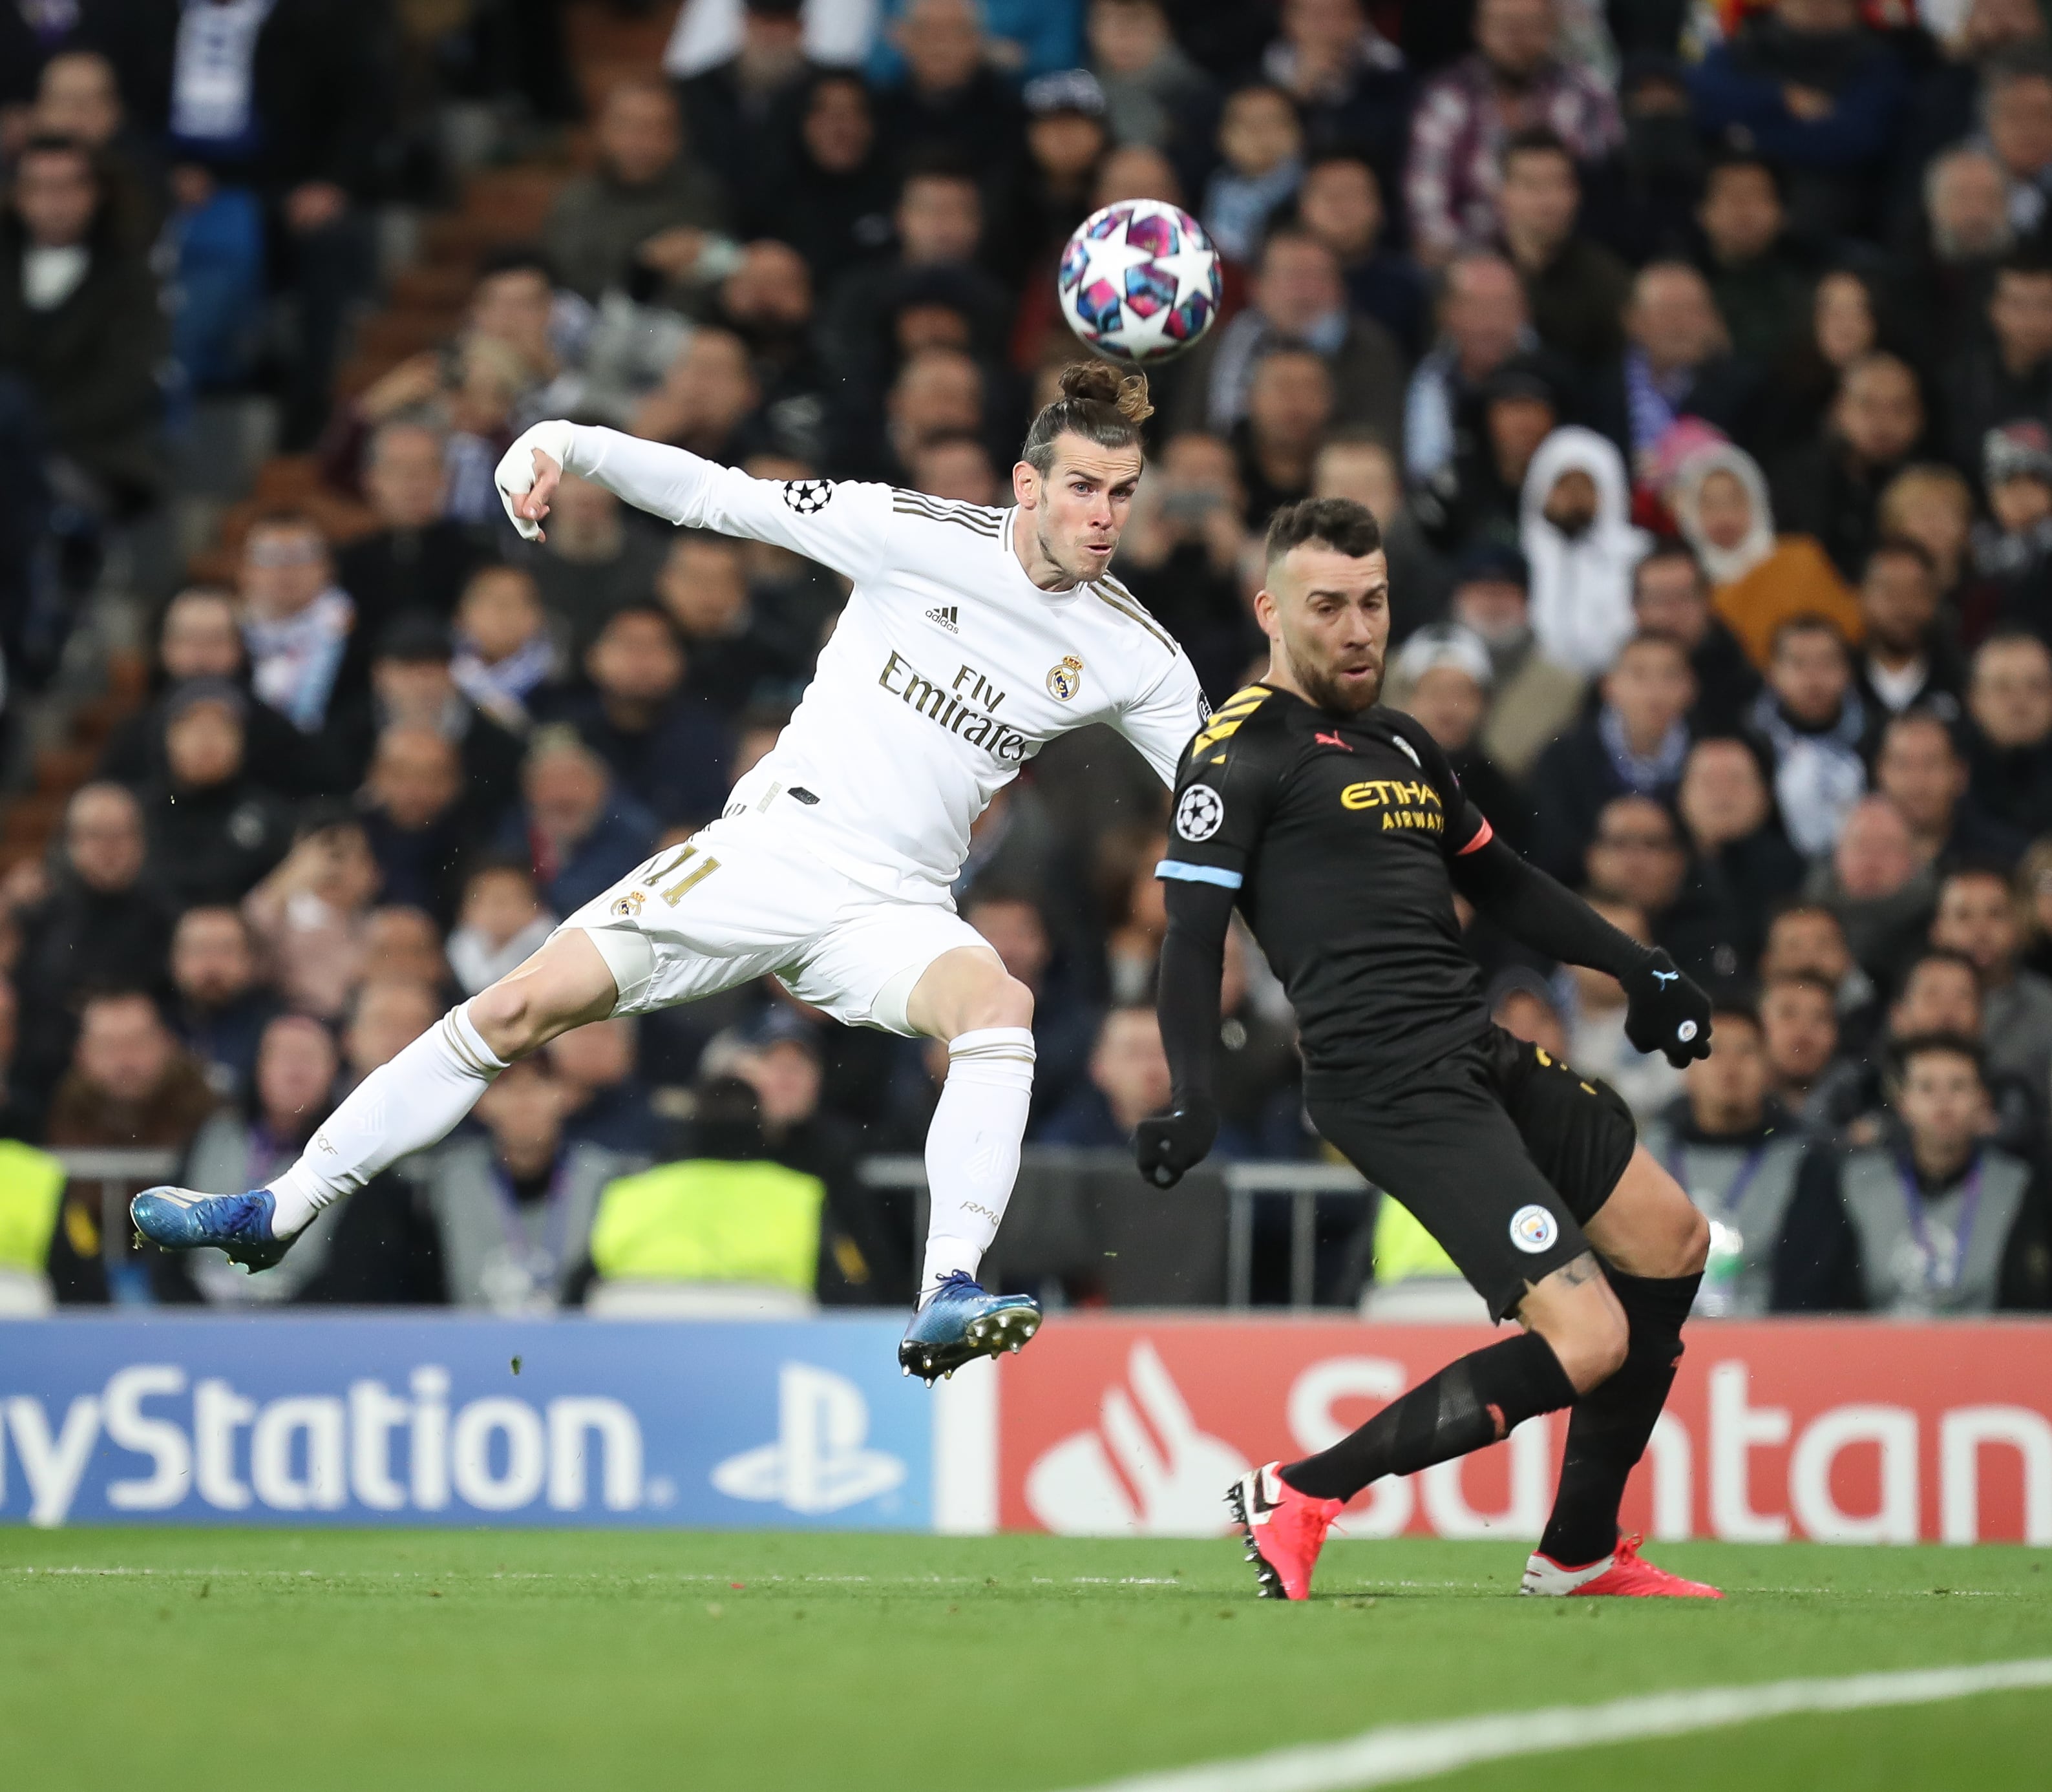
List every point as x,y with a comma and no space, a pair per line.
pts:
947,616
1332,739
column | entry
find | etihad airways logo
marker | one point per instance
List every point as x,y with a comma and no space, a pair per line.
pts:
954,707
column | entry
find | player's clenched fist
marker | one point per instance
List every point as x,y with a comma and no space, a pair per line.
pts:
1669,1012
1166,1145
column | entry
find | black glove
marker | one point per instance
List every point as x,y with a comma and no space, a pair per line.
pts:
1669,1012
1166,1145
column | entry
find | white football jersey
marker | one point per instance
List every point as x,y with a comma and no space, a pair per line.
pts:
948,670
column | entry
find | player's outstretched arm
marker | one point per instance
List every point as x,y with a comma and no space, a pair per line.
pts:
1192,969
842,527
1668,1012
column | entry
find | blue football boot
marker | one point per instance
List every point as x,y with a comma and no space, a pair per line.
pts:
238,1226
961,1323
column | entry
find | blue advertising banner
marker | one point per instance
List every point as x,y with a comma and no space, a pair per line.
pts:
365,1419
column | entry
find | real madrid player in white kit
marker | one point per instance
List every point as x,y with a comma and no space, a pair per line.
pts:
972,637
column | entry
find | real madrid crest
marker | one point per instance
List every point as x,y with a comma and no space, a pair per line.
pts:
629,907
1065,680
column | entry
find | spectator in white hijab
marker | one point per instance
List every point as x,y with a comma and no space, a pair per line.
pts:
1575,526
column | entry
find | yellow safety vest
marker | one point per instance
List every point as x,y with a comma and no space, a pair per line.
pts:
708,1219
32,1185
1403,1248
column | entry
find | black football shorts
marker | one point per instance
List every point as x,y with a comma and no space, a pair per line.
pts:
1501,1151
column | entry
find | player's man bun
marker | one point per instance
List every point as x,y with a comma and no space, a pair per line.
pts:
1101,384
1098,403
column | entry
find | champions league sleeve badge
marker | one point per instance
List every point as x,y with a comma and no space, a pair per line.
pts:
1200,813
807,497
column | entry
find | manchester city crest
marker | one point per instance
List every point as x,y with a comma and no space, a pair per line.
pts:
1065,679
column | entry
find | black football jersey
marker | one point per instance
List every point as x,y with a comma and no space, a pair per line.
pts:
1336,835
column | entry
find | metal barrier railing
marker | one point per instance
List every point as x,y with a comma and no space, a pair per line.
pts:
120,1173
1302,1185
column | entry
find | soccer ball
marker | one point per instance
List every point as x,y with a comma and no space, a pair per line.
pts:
1139,281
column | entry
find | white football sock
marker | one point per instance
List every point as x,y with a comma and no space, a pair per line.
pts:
400,1107
973,1146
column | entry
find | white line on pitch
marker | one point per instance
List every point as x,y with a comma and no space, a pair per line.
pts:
1399,1752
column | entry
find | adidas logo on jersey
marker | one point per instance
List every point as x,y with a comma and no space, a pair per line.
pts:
947,616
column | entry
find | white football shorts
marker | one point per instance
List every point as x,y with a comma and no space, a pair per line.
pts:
739,901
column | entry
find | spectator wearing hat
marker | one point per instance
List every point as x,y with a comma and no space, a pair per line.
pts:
2012,548
1341,203
1575,289
2009,731
1636,743
1067,136
1536,697
1516,79
417,558
1443,675
866,1256
213,830
1297,297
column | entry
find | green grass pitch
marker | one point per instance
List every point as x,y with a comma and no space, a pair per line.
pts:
170,1659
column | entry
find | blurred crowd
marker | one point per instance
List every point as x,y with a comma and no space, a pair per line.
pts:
1696,358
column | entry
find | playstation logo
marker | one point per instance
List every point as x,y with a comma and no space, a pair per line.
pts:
818,1463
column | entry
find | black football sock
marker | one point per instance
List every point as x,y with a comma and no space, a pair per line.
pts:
1607,1433
1476,1400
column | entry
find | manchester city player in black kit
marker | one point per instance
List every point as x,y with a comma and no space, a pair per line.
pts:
1339,829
